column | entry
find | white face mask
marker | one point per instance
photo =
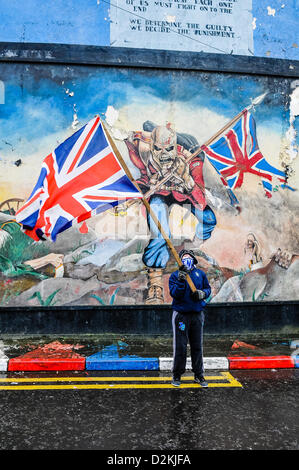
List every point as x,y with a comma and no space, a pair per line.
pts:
188,262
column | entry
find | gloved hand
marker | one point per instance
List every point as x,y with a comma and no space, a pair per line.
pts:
182,272
198,295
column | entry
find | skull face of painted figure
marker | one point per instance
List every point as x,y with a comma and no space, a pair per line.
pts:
164,147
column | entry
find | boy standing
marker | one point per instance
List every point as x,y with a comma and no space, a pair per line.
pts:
188,317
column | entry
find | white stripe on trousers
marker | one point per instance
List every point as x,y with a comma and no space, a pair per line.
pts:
174,315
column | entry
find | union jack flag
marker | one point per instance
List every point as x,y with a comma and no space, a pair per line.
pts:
237,153
80,176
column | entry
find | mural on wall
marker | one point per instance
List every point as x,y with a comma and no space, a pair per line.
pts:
233,199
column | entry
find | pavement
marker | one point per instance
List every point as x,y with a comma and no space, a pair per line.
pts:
137,411
113,352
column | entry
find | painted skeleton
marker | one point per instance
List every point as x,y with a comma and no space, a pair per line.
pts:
165,157
155,154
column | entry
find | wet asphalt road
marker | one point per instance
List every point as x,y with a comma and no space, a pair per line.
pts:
262,414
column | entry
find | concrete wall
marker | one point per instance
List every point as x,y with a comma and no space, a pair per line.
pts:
140,65
103,262
262,28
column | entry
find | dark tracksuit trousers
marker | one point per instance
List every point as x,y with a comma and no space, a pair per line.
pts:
187,327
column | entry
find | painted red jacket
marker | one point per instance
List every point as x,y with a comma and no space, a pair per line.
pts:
196,196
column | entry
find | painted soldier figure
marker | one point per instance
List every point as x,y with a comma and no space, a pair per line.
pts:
156,151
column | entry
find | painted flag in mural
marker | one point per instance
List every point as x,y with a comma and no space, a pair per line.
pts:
80,176
237,153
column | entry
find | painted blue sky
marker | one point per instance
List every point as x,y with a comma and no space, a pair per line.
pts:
39,103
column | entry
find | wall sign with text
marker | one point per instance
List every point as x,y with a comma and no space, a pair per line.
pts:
186,25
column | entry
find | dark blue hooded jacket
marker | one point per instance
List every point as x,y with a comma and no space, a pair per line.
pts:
181,293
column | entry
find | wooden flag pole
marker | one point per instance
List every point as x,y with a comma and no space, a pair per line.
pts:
151,191
193,155
254,102
147,206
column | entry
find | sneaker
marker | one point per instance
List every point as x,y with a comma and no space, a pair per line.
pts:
176,381
201,381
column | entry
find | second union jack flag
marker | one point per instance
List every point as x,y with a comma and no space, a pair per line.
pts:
237,153
80,176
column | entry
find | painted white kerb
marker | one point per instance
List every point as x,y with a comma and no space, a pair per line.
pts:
165,363
3,358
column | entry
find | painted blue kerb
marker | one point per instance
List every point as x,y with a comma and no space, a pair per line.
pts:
110,358
96,362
